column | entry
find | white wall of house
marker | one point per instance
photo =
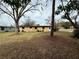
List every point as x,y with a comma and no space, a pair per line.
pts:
8,29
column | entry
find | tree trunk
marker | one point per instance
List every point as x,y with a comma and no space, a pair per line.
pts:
75,25
53,16
17,27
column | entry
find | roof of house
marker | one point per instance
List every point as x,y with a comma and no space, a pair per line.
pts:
23,26
35,26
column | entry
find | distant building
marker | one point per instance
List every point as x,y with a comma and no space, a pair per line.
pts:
7,29
25,29
35,28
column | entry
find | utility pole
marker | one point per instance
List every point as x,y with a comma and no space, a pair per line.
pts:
53,17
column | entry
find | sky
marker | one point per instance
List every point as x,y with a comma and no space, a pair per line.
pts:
38,17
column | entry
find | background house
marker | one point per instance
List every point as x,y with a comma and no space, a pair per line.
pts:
7,29
35,28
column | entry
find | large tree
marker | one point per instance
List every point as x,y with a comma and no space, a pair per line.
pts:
16,9
70,11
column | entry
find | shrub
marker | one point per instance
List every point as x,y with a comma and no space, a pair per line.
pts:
39,30
56,29
76,33
35,27
65,25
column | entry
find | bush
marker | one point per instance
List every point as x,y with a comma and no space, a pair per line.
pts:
39,30
65,25
56,29
76,33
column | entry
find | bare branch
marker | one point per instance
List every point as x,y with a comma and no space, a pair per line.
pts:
6,8
29,9
23,8
6,12
13,11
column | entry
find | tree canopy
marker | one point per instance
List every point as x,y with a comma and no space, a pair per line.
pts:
17,3
68,10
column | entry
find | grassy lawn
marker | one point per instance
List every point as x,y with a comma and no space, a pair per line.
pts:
64,34
9,37
38,45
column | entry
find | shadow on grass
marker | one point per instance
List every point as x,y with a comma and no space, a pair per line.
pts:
42,47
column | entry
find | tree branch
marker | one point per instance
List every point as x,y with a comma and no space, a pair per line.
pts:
22,9
13,12
6,12
29,9
6,8
67,16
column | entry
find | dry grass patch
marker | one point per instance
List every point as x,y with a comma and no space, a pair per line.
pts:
39,46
